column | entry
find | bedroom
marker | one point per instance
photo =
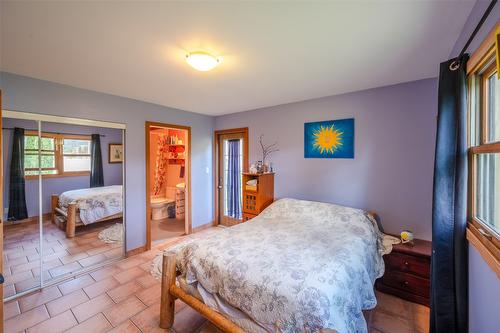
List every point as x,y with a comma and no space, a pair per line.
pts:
279,68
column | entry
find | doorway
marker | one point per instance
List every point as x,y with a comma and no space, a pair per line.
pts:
231,159
168,161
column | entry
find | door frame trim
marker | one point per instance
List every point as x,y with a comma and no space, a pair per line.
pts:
188,227
1,215
217,134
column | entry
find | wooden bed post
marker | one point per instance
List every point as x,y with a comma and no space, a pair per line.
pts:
376,218
167,307
71,221
54,202
170,292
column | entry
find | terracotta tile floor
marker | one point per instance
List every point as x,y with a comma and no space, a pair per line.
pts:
123,297
166,228
61,255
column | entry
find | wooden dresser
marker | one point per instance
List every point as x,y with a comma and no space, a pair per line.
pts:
258,197
407,272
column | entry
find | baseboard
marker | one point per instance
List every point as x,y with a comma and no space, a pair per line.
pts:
29,220
135,251
203,227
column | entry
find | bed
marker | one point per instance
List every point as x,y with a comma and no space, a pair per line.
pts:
86,206
299,266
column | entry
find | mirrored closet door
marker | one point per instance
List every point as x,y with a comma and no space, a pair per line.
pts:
21,227
72,178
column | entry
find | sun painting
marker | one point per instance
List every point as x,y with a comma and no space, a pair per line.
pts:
327,139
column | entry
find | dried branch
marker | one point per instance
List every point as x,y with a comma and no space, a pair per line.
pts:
267,150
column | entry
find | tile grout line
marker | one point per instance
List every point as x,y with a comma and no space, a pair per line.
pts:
133,323
76,319
48,313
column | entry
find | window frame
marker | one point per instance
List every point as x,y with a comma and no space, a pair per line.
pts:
480,67
59,155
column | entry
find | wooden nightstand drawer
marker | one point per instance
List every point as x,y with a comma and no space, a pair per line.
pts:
407,272
407,282
248,217
410,264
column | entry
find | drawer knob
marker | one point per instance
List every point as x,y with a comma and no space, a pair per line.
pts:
406,263
406,283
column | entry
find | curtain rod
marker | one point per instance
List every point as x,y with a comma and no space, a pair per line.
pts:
36,130
479,24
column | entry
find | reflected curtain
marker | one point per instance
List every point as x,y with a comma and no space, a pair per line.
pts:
449,283
17,195
96,171
234,179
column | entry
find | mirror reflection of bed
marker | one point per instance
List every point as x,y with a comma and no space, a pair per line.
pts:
81,201
167,153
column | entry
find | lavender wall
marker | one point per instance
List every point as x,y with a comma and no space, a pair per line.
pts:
112,172
473,19
32,95
394,151
484,291
484,285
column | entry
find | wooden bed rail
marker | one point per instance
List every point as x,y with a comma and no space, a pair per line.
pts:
169,292
70,215
71,221
376,218
54,203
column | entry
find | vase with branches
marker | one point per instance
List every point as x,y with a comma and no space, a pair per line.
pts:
267,150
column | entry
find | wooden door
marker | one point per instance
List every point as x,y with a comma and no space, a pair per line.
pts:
226,215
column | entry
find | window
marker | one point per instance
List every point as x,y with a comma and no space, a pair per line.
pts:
61,155
76,155
484,148
31,160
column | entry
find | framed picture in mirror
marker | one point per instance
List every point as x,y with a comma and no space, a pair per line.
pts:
115,153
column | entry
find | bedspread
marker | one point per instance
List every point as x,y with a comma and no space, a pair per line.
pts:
299,266
94,203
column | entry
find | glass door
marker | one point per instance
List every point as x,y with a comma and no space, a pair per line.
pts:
63,198
82,200
22,154
230,178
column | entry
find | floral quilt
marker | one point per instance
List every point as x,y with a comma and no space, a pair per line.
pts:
94,203
299,266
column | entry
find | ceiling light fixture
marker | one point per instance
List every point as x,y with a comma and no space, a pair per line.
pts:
202,61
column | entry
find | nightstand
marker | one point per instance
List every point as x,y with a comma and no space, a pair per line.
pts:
259,196
407,272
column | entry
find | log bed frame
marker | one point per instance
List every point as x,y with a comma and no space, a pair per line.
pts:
67,220
170,292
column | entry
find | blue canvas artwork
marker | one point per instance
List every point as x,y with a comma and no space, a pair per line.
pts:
329,139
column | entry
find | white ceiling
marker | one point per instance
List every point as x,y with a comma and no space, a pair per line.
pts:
274,52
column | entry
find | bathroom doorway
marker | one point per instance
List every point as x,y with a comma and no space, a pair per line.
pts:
168,160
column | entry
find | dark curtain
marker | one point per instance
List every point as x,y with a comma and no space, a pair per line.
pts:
449,307
96,173
234,179
17,195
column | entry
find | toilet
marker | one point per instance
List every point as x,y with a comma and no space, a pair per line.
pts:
162,208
